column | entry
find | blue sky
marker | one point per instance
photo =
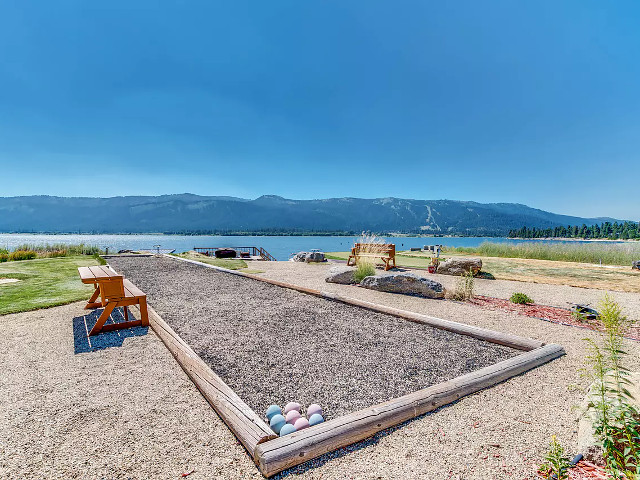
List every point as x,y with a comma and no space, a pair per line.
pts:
493,101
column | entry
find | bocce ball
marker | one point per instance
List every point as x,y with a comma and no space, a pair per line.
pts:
291,406
287,429
315,419
313,409
301,424
273,410
292,416
277,422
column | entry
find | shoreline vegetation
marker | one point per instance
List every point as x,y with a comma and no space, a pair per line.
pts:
607,254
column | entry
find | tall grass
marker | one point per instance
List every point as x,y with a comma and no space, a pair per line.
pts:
59,249
608,254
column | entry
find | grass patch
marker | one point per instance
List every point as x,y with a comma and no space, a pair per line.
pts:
364,269
608,254
230,263
45,282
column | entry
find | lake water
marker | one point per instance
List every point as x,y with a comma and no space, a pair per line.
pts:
279,247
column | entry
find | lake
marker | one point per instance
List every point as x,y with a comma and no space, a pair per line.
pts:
278,246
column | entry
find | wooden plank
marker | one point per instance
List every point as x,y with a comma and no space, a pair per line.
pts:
86,275
299,447
132,290
248,427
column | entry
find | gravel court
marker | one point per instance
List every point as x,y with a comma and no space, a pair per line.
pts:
275,345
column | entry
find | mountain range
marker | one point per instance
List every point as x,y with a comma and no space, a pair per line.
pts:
188,213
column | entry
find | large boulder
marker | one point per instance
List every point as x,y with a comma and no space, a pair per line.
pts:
308,257
340,274
635,264
459,266
587,443
406,283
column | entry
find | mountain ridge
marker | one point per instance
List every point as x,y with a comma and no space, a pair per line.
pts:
190,213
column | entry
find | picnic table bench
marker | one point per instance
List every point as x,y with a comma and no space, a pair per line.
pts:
114,291
384,251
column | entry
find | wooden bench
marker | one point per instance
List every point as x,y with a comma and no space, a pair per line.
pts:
114,291
385,251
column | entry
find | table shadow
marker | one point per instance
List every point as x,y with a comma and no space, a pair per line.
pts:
82,343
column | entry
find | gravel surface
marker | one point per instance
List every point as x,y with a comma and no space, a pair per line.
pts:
131,412
276,345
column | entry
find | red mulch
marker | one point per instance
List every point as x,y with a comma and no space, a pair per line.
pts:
558,315
584,471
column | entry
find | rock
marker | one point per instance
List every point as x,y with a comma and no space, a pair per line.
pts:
459,265
315,257
340,274
299,257
586,439
308,257
406,283
635,264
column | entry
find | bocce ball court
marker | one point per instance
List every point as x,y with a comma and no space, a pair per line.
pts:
248,342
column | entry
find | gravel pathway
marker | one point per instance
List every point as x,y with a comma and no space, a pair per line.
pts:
275,345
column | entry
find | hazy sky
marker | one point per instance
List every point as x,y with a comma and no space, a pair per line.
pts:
536,102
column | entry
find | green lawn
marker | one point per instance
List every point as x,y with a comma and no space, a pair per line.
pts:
44,282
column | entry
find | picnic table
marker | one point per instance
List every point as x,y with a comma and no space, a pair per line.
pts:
114,291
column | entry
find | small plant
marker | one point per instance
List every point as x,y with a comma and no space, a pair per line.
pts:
464,287
617,421
363,269
557,462
520,298
22,255
4,257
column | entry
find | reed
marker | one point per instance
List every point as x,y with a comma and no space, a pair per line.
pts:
607,254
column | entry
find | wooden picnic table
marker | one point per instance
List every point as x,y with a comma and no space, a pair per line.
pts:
96,275
114,291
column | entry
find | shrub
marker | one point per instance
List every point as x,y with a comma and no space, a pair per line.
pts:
617,421
557,464
45,250
363,269
464,287
520,298
56,254
22,255
4,257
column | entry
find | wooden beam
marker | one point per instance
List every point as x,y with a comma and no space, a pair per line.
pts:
299,447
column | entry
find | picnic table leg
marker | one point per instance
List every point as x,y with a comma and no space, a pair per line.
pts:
92,301
106,313
144,316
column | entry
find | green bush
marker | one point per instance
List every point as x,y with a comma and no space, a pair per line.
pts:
22,255
364,269
520,298
46,250
4,257
617,420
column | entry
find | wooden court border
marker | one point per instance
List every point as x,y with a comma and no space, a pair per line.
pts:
273,454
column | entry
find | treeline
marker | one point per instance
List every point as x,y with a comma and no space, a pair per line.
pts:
606,230
264,232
